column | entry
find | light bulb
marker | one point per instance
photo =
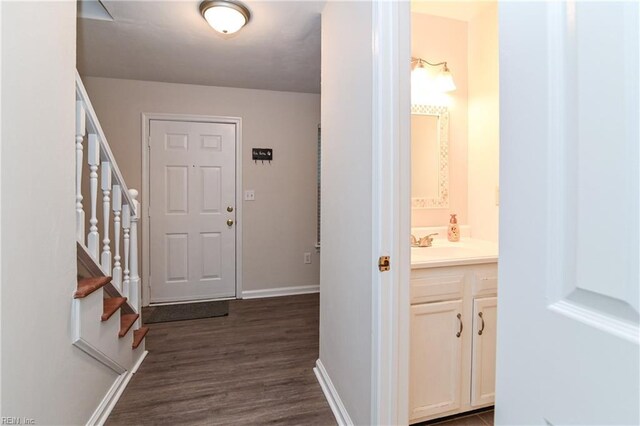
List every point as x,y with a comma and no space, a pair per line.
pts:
444,81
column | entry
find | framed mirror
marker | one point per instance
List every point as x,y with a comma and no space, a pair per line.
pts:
429,157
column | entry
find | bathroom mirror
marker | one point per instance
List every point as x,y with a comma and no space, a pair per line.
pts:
429,157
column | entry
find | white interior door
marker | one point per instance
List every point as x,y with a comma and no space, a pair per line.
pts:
568,322
192,210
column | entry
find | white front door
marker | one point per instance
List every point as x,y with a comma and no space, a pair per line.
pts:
568,316
192,210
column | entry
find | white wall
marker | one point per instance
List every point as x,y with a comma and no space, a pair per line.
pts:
438,39
347,267
484,120
43,376
280,225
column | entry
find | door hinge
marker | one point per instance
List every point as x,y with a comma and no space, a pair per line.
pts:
384,263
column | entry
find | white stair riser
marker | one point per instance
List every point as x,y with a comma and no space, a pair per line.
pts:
100,338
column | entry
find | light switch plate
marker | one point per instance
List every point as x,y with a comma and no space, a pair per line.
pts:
249,195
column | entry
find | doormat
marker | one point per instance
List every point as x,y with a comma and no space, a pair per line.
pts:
185,311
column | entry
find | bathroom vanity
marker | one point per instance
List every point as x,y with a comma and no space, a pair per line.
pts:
453,328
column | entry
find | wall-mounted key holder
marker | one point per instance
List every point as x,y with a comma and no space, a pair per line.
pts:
262,154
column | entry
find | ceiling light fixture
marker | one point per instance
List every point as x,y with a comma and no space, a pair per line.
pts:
224,16
421,80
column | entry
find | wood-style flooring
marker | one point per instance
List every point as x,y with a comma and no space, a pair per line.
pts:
484,418
253,367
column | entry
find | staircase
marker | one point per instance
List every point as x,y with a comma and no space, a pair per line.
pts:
106,310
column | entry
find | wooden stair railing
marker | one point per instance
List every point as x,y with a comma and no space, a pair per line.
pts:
107,250
117,258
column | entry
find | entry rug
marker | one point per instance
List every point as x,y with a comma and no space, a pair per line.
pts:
185,311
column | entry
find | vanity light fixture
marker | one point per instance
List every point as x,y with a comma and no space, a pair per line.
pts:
420,76
225,16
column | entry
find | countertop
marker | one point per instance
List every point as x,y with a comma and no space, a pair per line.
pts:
467,251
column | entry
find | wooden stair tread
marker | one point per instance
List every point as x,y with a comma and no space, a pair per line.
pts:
138,335
86,286
111,305
126,321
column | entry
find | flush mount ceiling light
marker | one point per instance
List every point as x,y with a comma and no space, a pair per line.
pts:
421,80
226,17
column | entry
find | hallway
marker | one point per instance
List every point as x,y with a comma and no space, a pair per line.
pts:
251,367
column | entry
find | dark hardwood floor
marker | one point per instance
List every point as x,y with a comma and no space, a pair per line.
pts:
483,418
253,367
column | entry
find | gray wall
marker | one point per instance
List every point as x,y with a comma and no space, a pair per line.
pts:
280,225
43,376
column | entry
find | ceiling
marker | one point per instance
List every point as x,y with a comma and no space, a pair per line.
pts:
462,10
169,41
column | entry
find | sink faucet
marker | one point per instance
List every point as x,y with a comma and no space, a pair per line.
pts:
427,240
422,242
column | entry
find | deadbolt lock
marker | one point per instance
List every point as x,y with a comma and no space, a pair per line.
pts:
384,263
229,209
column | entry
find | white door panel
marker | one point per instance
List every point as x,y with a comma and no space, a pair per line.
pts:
568,333
435,358
192,183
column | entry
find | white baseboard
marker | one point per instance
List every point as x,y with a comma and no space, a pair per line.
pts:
330,393
99,417
138,363
280,291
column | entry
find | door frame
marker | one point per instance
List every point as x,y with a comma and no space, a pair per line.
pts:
391,139
145,223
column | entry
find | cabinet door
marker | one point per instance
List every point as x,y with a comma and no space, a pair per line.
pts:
436,355
483,363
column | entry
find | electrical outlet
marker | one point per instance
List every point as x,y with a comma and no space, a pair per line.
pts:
249,195
307,258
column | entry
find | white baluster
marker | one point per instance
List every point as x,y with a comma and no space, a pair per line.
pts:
117,208
93,241
126,227
106,210
134,288
80,131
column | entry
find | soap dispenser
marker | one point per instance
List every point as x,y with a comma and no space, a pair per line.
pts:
453,233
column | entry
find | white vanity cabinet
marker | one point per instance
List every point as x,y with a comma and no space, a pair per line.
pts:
439,365
453,338
483,357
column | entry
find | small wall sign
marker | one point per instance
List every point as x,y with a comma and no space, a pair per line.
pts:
262,154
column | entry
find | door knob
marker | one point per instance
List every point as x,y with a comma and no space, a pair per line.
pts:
229,209
229,222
